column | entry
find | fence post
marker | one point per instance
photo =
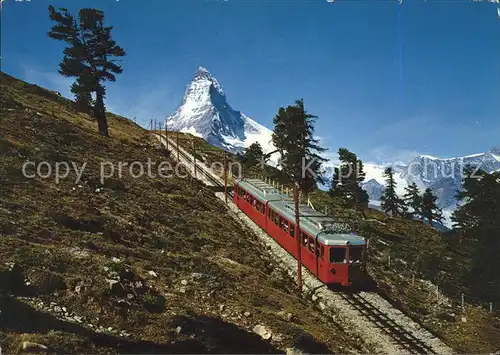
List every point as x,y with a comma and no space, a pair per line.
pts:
437,292
389,263
491,307
463,300
413,280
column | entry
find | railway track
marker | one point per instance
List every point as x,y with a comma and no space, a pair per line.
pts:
202,170
395,331
404,339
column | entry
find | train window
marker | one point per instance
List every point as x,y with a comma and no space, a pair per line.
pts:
337,255
311,245
273,217
355,254
304,238
260,207
292,230
285,226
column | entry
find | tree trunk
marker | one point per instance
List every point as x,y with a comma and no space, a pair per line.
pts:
298,237
100,113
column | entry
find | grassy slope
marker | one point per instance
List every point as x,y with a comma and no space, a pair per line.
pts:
58,241
402,255
414,249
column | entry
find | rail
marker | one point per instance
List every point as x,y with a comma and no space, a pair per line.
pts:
394,330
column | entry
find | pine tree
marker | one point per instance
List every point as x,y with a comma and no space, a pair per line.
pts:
347,180
390,200
429,208
83,98
300,162
253,156
299,150
89,56
413,200
478,217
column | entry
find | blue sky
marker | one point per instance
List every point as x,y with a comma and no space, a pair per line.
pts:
387,80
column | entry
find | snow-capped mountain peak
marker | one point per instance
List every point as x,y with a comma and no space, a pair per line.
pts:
204,112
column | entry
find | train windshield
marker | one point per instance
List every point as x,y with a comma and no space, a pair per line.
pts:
355,254
337,255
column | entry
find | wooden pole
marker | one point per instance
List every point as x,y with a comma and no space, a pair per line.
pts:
225,176
463,300
298,237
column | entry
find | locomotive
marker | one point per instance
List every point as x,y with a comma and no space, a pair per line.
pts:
333,255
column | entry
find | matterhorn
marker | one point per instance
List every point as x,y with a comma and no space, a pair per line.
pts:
204,112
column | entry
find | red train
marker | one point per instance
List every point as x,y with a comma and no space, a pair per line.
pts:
334,257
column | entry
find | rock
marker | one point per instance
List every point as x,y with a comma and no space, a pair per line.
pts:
115,260
262,331
33,347
111,282
286,316
464,320
152,273
196,275
221,307
178,330
278,337
314,297
184,282
293,351
182,290
246,314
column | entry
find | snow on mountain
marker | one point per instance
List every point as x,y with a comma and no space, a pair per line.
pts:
204,112
444,176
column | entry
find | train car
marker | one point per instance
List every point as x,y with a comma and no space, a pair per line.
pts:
334,257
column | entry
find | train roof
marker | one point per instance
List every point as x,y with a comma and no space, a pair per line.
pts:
312,222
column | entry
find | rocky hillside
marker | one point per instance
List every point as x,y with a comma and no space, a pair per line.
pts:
129,265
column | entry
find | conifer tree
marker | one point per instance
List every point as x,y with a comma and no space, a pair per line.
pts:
83,98
253,155
347,180
90,56
390,200
299,150
478,217
413,200
300,160
429,208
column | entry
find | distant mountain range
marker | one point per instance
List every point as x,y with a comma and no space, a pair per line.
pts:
205,112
